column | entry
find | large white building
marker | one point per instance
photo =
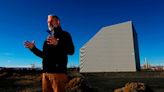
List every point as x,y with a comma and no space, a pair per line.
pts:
113,49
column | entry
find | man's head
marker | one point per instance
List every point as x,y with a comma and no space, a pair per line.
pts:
53,22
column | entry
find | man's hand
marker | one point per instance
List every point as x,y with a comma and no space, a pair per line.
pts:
29,45
51,40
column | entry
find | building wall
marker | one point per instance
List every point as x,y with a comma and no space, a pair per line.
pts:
110,50
136,49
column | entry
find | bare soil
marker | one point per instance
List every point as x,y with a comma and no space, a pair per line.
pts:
108,82
100,82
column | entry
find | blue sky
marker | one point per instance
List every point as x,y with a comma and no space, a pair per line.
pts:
22,20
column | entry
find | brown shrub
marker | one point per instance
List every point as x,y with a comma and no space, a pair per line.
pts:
133,87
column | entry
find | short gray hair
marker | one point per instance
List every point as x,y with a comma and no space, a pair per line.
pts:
53,16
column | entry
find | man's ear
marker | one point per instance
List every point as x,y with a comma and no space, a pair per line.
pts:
58,22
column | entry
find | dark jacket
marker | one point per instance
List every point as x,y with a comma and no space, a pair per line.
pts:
55,58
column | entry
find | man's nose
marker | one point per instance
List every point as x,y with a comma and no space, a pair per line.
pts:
50,24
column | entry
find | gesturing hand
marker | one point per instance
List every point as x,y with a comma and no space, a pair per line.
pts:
51,40
29,45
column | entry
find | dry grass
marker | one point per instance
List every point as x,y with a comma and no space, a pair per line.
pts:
18,82
108,82
101,82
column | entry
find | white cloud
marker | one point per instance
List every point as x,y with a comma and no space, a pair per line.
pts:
7,54
8,61
19,66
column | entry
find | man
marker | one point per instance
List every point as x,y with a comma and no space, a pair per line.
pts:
56,49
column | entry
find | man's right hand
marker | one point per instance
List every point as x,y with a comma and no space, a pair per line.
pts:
29,45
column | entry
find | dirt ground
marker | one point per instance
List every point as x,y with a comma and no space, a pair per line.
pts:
100,82
107,82
20,82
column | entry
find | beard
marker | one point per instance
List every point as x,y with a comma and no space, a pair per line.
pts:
51,28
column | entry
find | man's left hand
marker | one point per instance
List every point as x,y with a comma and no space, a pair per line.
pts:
51,40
